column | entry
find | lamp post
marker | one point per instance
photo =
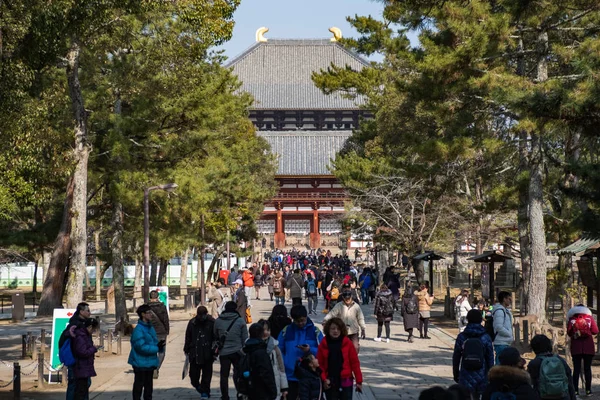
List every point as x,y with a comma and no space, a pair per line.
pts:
168,187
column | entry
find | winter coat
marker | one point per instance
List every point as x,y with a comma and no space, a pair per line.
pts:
242,302
199,339
277,324
84,351
292,336
352,316
261,371
411,321
425,300
381,297
462,306
310,386
144,347
74,322
534,372
350,366
581,345
269,282
215,301
475,381
503,325
296,284
277,363
237,334
248,278
510,379
160,320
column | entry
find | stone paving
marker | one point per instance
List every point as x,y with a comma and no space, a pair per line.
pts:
395,370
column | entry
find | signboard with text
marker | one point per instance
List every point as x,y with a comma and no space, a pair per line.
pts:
60,320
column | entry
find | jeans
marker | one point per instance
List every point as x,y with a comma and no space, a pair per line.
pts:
498,349
161,356
279,300
380,328
423,326
207,371
587,370
248,291
364,293
355,341
72,383
312,303
142,381
226,363
344,393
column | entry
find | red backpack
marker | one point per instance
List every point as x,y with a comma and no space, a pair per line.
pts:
582,327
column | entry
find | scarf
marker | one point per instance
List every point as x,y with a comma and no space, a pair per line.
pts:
335,361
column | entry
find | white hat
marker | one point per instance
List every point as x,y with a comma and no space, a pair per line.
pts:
238,282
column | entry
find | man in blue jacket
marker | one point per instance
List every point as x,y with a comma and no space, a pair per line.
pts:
473,355
296,339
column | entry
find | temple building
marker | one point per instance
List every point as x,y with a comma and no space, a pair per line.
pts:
306,129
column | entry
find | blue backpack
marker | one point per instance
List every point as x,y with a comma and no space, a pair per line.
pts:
65,354
311,287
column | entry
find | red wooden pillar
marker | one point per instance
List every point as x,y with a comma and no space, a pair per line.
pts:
279,234
315,236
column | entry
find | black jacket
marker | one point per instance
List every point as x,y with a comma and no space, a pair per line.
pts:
74,322
309,383
199,339
261,371
534,371
161,322
510,379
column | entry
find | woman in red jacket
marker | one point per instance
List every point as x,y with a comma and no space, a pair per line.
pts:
338,361
582,328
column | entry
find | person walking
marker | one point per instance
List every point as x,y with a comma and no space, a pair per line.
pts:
279,288
216,298
258,283
296,284
582,328
199,339
231,331
349,312
550,374
310,386
384,311
503,323
508,379
276,359
339,362
262,378
473,356
160,321
84,352
462,307
365,281
409,309
295,340
311,294
82,313
269,282
143,355
278,320
425,302
240,299
248,284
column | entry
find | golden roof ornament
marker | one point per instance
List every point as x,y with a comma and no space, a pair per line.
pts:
337,34
260,34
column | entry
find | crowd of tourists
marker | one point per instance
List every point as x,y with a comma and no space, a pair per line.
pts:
288,357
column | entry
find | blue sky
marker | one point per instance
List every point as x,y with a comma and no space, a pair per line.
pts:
299,19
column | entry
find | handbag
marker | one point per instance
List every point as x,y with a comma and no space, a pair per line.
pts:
248,316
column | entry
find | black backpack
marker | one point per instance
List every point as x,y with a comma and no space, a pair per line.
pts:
411,306
243,383
472,356
385,306
489,324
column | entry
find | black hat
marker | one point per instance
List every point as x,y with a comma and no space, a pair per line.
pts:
474,316
509,357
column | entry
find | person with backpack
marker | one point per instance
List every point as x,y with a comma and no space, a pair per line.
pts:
384,312
409,310
84,352
473,356
462,307
161,324
364,282
508,380
276,359
82,313
339,361
296,284
550,374
311,294
351,313
198,347
295,340
255,378
258,283
279,288
143,356
231,332
500,323
216,298
582,328
425,302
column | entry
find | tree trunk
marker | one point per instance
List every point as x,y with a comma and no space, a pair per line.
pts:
153,270
78,263
55,273
98,265
117,260
139,270
213,263
183,274
162,272
523,219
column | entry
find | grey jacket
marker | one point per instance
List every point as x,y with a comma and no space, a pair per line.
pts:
503,325
296,284
237,334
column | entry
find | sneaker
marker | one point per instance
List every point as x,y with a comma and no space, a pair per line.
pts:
410,340
204,396
377,339
387,340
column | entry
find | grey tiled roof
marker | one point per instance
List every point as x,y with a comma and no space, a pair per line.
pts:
305,152
278,74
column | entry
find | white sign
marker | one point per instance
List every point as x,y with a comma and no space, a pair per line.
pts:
60,320
163,295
